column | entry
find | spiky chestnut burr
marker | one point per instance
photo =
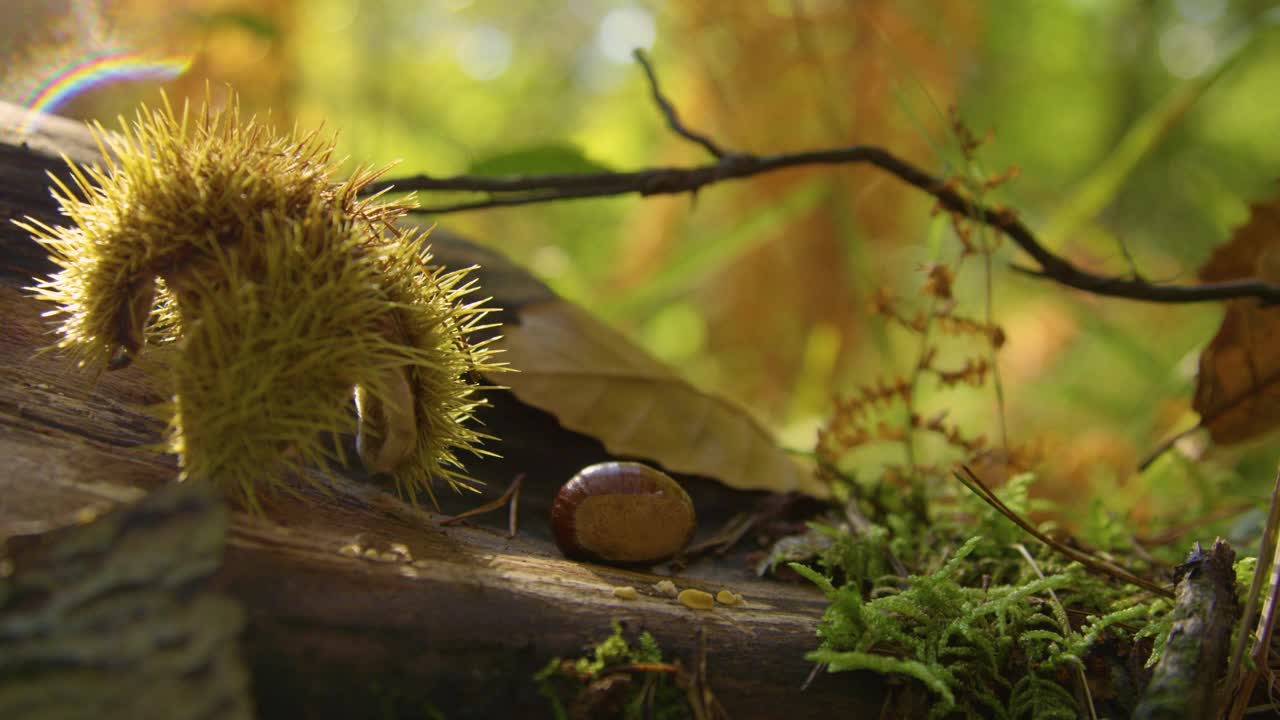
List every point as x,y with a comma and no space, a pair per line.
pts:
282,291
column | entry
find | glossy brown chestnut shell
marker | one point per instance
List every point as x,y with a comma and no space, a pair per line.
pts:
624,513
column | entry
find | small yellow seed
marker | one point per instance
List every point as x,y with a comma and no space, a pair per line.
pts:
387,556
696,599
626,592
666,587
349,550
371,553
728,597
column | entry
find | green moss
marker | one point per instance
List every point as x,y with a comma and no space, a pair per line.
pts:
572,685
976,624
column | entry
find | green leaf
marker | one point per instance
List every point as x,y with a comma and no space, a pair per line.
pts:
537,160
1093,194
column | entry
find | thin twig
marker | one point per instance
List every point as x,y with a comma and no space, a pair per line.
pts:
660,668
813,673
1238,681
513,516
706,704
1262,641
993,347
669,110
695,690
971,481
1209,416
524,190
913,384
512,494
725,538
1166,445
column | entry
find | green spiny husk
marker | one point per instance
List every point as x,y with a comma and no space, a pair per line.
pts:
282,291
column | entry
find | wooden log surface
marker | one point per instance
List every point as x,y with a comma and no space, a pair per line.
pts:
453,619
111,617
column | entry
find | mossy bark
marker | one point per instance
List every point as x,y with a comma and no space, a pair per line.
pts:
108,618
1185,680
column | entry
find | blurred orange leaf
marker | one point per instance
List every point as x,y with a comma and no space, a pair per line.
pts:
1238,388
598,383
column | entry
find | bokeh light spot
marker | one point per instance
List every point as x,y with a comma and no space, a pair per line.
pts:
550,262
1201,11
1187,50
676,333
623,30
483,52
336,16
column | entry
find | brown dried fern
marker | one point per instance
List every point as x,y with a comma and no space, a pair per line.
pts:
886,410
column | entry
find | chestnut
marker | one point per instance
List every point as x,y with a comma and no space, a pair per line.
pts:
624,513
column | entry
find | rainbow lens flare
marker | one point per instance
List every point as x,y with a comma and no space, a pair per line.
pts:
95,70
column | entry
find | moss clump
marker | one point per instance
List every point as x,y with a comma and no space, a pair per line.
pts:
985,630
599,685
282,292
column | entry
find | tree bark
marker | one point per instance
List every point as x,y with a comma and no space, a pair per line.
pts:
421,618
71,643
1183,684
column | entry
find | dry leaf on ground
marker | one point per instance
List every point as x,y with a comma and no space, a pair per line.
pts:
1238,388
597,382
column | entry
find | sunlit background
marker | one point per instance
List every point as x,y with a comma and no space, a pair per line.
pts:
1142,130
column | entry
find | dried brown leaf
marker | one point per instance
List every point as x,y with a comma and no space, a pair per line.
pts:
1238,259
597,382
1238,388
941,278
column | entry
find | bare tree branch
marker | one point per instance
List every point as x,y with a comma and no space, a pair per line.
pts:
524,190
669,110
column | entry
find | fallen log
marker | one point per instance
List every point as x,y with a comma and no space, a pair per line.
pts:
356,604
